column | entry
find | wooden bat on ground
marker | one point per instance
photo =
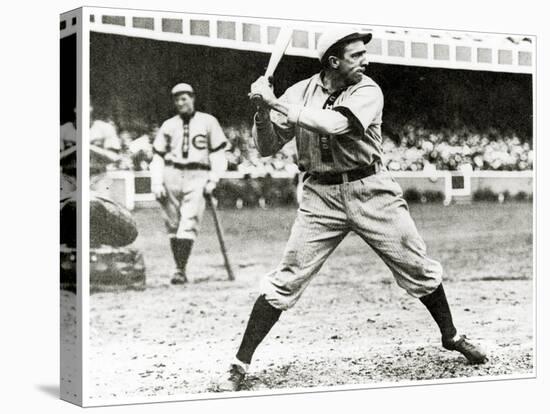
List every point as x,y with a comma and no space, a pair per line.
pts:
279,48
171,202
221,238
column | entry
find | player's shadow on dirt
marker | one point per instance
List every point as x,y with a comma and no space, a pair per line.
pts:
265,381
270,379
49,389
255,383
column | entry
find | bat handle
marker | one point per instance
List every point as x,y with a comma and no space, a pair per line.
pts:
210,200
256,99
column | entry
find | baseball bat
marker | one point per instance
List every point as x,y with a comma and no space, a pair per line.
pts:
221,238
279,48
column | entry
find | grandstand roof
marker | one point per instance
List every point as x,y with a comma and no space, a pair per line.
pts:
394,45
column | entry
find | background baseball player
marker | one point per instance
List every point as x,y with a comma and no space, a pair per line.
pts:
187,163
336,118
103,134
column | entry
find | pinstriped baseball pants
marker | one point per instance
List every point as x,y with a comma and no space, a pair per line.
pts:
372,207
185,205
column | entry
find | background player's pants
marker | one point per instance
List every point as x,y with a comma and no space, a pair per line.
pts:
185,204
372,207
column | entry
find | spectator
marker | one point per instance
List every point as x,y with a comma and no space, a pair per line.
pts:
410,147
103,134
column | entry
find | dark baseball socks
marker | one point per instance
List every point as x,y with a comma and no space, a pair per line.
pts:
437,305
262,318
181,249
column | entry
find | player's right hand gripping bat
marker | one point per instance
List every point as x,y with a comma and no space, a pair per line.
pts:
279,48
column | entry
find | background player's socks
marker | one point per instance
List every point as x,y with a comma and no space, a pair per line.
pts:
262,318
181,249
437,304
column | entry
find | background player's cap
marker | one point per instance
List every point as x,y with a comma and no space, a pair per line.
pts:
182,88
332,37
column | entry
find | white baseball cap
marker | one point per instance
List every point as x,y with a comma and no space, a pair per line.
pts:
332,37
182,88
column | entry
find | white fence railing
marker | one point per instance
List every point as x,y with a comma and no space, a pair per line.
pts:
133,188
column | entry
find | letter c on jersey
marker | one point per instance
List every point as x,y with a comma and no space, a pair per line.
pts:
200,142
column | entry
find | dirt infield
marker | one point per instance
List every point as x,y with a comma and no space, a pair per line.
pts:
353,325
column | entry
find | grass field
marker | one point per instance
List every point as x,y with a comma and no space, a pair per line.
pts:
353,325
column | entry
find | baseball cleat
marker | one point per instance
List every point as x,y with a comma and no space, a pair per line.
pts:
472,353
179,278
235,377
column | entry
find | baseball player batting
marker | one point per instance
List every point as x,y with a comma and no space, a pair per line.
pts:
187,164
336,118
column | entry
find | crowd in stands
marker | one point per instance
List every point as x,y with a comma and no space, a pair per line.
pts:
417,148
410,148
243,156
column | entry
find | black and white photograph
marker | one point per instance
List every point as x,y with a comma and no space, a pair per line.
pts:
70,345
288,206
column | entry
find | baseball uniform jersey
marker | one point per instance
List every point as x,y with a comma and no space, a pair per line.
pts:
187,146
190,141
320,154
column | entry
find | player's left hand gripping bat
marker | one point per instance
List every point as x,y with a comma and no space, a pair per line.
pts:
279,48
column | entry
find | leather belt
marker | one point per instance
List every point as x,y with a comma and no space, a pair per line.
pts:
347,176
188,166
